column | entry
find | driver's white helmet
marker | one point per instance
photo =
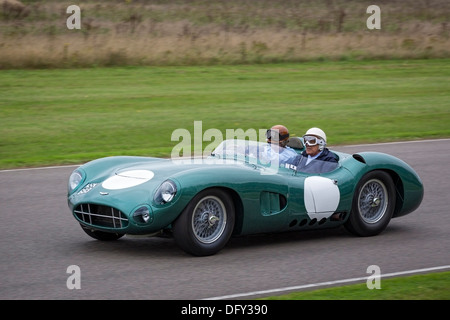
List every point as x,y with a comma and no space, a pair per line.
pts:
315,136
318,133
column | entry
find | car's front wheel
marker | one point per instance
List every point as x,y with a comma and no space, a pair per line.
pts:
373,204
206,224
101,235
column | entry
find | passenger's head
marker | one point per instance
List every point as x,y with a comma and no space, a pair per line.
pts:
315,140
278,135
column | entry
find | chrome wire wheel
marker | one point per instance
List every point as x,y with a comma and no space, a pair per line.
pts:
209,219
373,201
373,204
206,224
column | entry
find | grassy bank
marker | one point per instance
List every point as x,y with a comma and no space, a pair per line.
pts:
70,116
433,286
203,32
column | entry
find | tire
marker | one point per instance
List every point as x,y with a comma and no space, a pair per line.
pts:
206,224
101,235
373,204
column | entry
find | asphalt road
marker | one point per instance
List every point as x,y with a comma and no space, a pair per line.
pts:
40,240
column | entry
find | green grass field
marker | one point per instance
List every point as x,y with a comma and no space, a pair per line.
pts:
67,116
432,286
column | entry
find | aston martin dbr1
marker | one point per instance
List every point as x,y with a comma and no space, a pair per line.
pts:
238,190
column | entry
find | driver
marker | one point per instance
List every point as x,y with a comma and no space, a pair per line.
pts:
277,149
316,158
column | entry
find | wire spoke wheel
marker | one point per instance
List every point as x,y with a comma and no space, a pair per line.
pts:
373,201
373,204
209,219
206,224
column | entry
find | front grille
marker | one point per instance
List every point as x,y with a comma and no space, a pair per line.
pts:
102,216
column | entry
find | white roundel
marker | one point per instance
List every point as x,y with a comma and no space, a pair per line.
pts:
321,197
127,179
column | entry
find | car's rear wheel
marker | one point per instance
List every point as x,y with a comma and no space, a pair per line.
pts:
373,204
206,224
101,235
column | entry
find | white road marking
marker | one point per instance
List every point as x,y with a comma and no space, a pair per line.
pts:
321,284
40,168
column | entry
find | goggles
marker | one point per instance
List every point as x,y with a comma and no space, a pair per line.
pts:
312,140
275,135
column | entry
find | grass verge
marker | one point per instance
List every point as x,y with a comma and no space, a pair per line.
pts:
71,116
433,286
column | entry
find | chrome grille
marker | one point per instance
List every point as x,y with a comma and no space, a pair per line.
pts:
102,216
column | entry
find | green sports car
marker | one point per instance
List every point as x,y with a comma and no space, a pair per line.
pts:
238,190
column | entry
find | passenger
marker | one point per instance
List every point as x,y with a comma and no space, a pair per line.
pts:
316,158
277,150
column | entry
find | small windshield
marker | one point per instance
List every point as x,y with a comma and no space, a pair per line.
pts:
271,155
250,151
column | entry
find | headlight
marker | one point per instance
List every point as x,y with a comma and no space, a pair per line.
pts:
143,214
166,192
74,181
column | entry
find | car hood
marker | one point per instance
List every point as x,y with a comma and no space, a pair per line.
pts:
126,181
123,172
